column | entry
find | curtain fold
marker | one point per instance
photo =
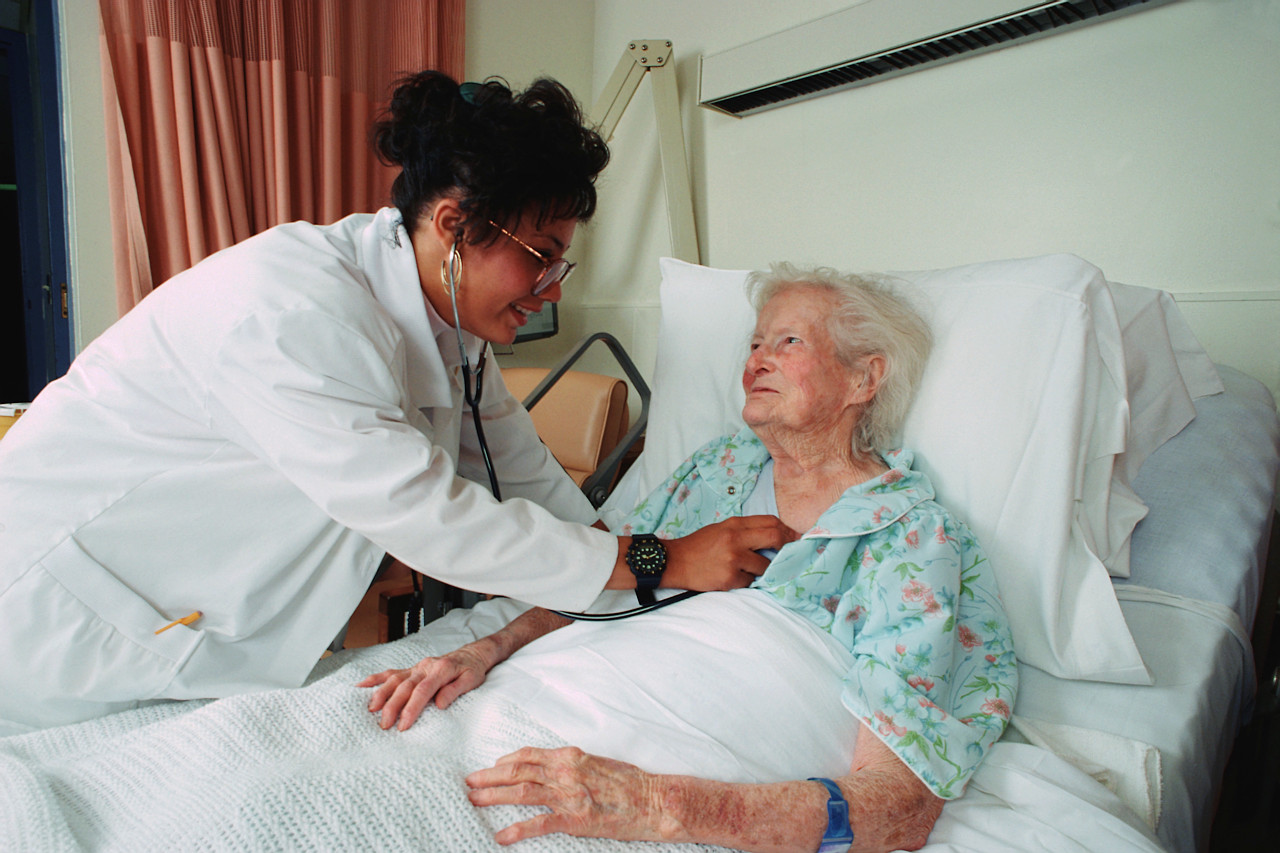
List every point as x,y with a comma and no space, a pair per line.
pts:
226,117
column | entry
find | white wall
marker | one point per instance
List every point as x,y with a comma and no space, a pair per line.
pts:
1146,144
520,40
92,286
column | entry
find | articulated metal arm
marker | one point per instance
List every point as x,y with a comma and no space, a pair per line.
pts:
652,57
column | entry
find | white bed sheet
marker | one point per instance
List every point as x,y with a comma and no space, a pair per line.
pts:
1190,714
1199,540
714,686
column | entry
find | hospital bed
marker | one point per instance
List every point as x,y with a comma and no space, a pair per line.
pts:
1122,484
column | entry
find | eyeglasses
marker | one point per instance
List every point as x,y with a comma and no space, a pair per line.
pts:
553,272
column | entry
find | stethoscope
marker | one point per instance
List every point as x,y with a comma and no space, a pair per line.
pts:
472,384
472,388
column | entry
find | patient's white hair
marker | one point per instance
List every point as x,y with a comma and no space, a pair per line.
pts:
870,318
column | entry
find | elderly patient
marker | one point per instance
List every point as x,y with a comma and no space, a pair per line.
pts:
883,570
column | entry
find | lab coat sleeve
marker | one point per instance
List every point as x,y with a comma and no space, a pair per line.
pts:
322,399
524,465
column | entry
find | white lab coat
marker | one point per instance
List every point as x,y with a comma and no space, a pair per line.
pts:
248,442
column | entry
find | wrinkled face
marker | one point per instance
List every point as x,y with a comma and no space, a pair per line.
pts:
496,294
793,378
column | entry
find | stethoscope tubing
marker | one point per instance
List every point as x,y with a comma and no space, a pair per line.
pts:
624,614
472,384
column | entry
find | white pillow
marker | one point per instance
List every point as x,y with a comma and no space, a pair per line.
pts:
1019,418
1021,415
705,328
1165,368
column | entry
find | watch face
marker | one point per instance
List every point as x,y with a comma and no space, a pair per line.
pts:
650,557
647,558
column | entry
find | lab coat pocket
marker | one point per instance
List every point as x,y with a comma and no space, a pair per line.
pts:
108,632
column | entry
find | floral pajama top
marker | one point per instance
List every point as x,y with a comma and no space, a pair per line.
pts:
894,577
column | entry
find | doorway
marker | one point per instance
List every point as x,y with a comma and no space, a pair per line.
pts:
35,329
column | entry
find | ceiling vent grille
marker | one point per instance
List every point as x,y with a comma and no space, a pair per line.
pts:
880,39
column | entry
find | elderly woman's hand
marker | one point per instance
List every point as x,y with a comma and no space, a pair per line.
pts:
587,795
403,694
889,807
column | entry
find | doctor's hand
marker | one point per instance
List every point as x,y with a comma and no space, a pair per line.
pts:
403,694
588,795
724,555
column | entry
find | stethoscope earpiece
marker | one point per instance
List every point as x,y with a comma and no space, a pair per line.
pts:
451,276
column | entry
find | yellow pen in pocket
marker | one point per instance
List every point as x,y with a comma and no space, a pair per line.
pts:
185,620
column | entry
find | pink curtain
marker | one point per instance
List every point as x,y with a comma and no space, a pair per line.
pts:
226,117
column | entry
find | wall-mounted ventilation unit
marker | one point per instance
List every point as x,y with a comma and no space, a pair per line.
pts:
878,39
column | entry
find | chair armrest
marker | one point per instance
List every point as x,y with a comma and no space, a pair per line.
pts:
596,487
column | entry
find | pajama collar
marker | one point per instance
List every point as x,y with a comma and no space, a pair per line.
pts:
733,468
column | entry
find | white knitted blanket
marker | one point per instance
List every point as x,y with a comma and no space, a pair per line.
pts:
304,769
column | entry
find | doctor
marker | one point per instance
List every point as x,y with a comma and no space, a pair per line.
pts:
196,508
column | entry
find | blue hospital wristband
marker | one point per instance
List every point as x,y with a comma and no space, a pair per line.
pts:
839,835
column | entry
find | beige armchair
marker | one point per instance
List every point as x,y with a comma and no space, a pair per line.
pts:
581,419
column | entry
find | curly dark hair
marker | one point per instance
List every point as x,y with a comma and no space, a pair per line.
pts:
505,152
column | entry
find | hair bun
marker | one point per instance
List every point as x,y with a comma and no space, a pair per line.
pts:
506,153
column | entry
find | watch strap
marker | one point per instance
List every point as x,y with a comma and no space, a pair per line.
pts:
839,835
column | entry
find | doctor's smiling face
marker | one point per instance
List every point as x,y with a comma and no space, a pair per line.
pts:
495,290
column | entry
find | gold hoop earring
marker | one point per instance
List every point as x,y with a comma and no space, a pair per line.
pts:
451,270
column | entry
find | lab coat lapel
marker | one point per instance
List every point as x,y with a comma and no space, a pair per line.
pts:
433,364
446,421
393,277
